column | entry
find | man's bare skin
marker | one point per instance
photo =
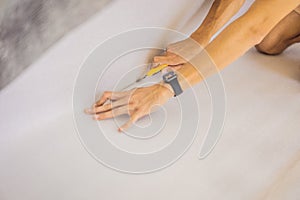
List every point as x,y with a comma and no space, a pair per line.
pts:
283,35
219,14
257,26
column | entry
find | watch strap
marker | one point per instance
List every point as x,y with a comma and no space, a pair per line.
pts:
176,87
171,79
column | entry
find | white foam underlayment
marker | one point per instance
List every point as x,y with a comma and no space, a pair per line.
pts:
257,156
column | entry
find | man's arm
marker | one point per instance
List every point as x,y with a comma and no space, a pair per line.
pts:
237,38
233,42
219,14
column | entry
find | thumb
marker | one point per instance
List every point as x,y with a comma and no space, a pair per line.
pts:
133,118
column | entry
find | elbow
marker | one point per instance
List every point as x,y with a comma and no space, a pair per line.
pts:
256,33
256,28
259,21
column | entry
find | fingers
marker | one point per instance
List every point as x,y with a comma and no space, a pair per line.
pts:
170,60
108,95
107,107
113,113
177,67
133,118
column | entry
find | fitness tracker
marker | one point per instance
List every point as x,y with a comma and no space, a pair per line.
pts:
171,79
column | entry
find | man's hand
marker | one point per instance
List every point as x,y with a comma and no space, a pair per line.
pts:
181,52
136,103
178,53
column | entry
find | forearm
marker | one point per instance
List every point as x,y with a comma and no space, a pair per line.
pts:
248,30
235,40
219,14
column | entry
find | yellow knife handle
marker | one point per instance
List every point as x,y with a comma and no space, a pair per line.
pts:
156,69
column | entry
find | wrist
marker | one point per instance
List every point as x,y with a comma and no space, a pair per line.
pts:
166,89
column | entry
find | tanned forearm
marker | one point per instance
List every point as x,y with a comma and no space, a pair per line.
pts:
219,14
248,30
236,39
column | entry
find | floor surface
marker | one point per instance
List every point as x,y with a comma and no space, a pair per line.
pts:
257,157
